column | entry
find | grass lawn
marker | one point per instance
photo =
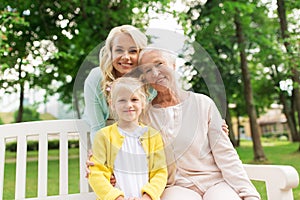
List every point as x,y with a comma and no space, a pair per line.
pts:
32,176
278,153
281,153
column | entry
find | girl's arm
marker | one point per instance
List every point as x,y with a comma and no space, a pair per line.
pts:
100,173
158,174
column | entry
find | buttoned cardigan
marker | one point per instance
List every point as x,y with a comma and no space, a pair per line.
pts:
107,143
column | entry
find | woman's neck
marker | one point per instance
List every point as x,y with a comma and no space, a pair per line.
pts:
168,98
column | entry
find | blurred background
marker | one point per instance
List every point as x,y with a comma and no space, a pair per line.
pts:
254,44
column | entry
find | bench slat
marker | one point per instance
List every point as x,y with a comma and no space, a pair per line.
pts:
43,166
63,163
21,167
2,164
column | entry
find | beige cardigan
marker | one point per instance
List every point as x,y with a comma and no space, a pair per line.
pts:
197,146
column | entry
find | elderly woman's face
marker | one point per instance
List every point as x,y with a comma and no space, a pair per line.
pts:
157,70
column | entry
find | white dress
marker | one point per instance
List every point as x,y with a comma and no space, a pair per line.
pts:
131,166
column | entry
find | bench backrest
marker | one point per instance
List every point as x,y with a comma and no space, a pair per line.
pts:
43,131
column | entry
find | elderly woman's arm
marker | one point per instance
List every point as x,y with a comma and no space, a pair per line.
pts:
227,158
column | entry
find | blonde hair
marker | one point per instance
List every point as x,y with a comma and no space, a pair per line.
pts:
105,55
133,85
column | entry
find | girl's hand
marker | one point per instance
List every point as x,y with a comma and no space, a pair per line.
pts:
146,197
113,180
120,198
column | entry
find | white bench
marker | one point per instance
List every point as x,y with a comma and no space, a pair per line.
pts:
279,179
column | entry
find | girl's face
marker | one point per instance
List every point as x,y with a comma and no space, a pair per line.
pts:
128,106
124,54
157,70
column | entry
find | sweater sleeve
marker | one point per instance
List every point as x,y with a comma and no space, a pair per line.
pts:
100,173
158,174
227,158
96,111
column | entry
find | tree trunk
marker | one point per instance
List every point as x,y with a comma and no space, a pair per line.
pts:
294,69
257,147
229,123
21,97
289,114
76,105
238,128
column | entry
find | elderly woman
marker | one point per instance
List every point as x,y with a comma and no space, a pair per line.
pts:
202,163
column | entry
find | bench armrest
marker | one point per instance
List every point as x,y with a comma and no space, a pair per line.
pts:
279,179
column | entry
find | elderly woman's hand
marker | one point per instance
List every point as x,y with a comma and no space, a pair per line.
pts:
225,127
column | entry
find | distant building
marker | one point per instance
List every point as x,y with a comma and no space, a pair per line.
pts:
273,122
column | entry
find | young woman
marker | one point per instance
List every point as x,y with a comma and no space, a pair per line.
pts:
128,149
117,57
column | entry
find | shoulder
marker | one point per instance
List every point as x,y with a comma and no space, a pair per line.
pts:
153,133
202,97
109,129
95,75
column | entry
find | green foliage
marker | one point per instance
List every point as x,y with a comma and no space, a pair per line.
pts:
29,114
33,145
68,29
1,121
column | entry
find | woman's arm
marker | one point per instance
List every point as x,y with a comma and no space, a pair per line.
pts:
227,158
96,110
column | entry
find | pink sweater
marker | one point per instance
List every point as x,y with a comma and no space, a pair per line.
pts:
197,146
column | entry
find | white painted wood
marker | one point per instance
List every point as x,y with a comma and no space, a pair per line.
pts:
279,179
63,163
21,167
2,164
43,166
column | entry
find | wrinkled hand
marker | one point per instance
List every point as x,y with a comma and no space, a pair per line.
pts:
225,127
88,163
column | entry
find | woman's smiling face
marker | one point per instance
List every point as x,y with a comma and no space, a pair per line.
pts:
157,70
124,54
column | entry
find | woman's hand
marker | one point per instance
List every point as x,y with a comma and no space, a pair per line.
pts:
225,127
88,163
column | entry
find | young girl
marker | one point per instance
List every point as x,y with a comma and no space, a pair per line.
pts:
128,149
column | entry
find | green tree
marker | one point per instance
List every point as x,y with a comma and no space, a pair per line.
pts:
29,114
215,29
48,47
293,66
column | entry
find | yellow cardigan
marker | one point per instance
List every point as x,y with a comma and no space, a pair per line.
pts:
108,141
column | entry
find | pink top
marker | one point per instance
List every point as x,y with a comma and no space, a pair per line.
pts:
195,143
